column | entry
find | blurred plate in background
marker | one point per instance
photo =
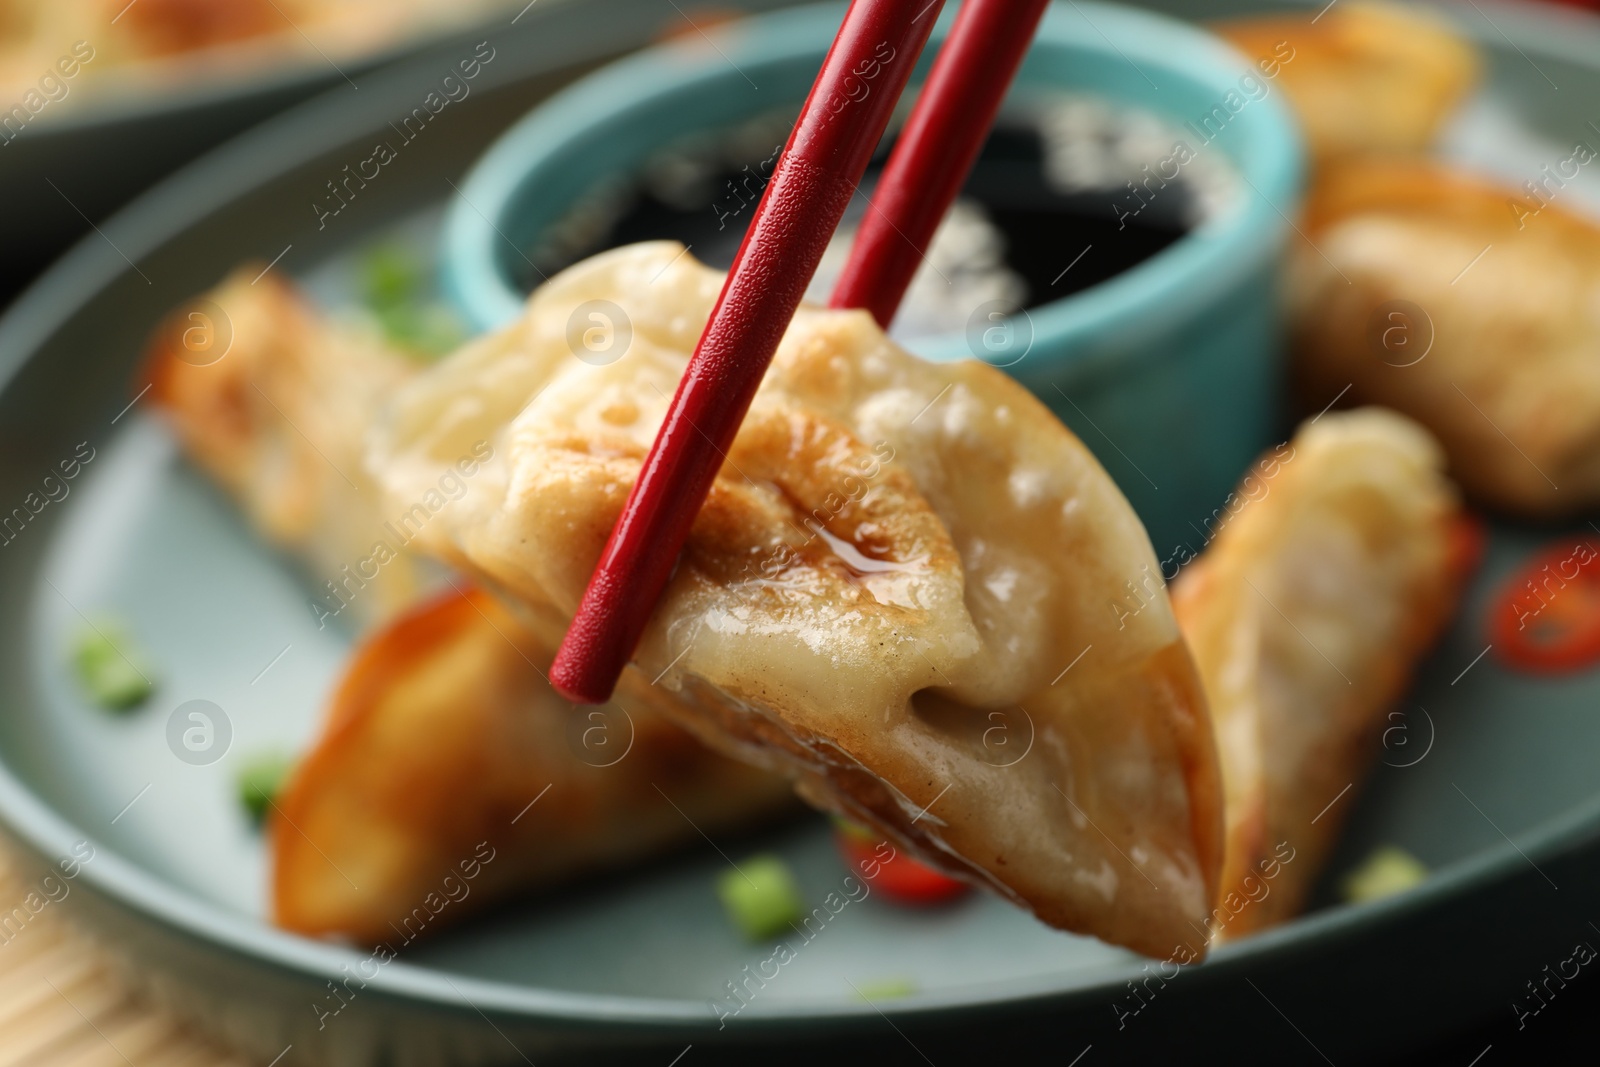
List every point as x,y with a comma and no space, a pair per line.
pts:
73,149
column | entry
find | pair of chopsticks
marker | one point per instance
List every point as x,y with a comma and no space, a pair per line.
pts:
839,127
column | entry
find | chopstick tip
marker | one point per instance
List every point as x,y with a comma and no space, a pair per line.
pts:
578,682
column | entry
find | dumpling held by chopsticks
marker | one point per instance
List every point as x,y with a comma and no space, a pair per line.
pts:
897,558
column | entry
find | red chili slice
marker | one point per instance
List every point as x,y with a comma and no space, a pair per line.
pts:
1468,537
900,878
1546,618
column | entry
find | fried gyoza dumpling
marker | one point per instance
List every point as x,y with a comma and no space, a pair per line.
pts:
449,770
894,552
1467,306
1362,77
273,401
1307,616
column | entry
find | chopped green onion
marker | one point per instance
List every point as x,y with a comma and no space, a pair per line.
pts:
854,831
394,287
1387,871
761,897
391,273
110,666
886,989
261,779
429,328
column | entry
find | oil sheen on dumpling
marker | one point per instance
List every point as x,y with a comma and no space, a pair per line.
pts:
906,576
1307,615
1471,307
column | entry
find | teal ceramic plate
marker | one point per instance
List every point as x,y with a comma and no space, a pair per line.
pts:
1501,803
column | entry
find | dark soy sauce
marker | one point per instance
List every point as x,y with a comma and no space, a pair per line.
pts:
1044,228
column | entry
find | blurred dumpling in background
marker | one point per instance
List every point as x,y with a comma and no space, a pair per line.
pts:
1307,616
1470,306
1364,77
273,400
158,42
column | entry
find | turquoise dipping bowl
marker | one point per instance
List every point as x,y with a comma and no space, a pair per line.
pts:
1170,371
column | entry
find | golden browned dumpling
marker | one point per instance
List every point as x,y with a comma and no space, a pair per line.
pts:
273,401
1306,617
894,551
1363,77
1469,306
450,776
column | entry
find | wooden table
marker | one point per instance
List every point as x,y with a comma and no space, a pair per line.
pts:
63,1005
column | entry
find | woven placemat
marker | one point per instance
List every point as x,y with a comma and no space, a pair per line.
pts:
63,1005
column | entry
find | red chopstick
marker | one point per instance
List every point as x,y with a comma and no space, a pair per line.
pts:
840,124
936,151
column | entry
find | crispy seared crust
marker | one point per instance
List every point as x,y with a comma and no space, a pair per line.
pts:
1307,616
279,420
1504,290
1364,78
441,734
895,553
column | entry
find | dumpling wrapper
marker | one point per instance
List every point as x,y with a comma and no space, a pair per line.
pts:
894,550
1511,382
447,755
1307,616
279,420
1363,77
